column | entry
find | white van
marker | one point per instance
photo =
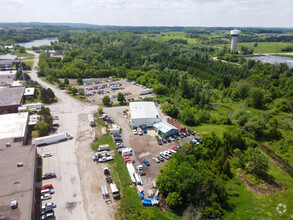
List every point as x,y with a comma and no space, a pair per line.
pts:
126,152
114,190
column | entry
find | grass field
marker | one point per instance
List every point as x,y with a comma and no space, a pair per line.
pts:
262,47
168,36
26,55
29,62
248,205
208,128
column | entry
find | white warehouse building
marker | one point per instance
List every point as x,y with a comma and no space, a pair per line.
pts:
143,113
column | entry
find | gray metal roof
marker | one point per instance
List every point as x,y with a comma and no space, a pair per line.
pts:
11,96
8,57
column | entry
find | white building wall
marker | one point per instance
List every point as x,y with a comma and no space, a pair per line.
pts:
145,121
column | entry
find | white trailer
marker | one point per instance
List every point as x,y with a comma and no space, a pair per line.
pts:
126,152
145,91
104,147
91,120
52,139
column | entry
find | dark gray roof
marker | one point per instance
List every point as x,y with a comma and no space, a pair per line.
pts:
11,96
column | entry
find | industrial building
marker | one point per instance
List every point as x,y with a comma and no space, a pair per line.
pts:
11,99
7,60
18,180
143,113
165,129
14,126
235,34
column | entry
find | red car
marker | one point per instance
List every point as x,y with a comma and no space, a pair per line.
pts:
48,186
174,148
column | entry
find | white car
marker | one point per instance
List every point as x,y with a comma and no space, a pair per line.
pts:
47,155
105,159
172,139
156,159
49,215
46,196
134,131
49,204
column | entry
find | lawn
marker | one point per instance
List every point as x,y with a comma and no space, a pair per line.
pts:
26,55
245,204
29,62
168,36
208,128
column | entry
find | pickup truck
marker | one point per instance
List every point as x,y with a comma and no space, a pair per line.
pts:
105,159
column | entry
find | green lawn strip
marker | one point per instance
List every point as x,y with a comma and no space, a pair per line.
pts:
39,174
26,55
45,80
245,204
29,62
80,98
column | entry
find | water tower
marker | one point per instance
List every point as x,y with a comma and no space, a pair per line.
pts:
235,34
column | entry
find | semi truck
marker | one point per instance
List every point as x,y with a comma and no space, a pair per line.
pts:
52,139
145,91
91,120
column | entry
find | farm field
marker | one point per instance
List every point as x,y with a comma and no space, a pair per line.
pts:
262,47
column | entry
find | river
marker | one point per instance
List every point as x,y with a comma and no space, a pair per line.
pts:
37,43
273,60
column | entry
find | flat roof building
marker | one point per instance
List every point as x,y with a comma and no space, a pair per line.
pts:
17,183
143,113
8,57
14,126
165,129
11,99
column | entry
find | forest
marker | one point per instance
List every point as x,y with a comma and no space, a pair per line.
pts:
208,180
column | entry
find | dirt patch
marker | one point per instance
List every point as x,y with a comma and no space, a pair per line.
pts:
266,188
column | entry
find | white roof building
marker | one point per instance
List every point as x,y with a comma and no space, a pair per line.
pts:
144,113
29,91
14,126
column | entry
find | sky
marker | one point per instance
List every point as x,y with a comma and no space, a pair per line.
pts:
211,13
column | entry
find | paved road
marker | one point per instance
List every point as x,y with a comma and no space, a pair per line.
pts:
68,196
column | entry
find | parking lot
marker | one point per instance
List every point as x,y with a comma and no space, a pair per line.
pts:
144,147
95,91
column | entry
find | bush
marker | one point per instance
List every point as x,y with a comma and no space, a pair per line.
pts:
100,110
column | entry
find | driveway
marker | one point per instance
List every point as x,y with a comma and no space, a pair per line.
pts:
71,160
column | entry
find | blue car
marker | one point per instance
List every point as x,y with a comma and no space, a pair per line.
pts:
146,162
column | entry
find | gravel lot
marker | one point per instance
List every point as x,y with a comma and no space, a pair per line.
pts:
144,147
128,87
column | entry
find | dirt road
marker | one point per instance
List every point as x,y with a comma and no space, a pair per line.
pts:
77,184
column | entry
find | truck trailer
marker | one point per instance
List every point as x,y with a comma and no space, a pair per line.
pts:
52,139
145,91
91,120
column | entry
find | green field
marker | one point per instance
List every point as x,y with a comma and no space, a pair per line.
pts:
245,204
208,128
266,47
168,36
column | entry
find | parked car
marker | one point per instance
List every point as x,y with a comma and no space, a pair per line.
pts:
146,162
164,140
141,172
181,135
46,210
174,148
191,132
109,179
47,191
46,196
187,133
156,159
171,138
162,154
159,141
48,216
161,158
106,171
47,186
134,131
168,139
140,132
105,159
176,137
49,204
48,176
47,155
